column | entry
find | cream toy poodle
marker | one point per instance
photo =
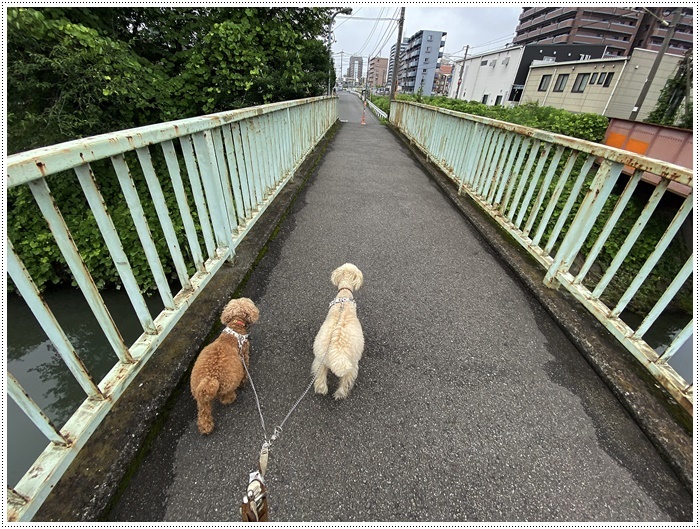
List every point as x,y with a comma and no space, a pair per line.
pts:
339,343
219,371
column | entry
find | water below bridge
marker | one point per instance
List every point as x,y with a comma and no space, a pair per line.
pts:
470,405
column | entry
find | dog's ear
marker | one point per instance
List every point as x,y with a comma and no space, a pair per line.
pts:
250,312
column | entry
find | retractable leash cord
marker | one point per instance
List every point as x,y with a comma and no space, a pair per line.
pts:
254,507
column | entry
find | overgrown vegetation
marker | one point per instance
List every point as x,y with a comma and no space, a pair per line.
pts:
676,92
585,126
77,72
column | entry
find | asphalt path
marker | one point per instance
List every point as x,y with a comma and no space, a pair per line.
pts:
470,404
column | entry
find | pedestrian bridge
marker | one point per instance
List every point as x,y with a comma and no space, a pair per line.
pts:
500,380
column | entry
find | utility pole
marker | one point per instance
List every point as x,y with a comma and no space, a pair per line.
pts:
397,52
368,84
461,71
654,67
341,67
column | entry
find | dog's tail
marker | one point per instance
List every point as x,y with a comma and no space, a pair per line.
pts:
206,389
340,365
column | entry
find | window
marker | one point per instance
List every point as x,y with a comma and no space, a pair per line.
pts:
428,49
580,83
562,78
544,83
426,59
608,79
484,63
485,99
430,38
601,79
499,99
594,77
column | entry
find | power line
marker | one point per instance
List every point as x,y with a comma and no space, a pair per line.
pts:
349,18
369,18
374,28
386,36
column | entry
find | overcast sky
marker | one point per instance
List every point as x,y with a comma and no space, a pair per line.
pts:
482,27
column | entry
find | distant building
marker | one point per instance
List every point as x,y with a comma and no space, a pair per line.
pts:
497,77
423,53
608,86
390,70
376,74
355,69
443,77
621,29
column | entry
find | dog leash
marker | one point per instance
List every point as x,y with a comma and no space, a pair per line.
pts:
254,507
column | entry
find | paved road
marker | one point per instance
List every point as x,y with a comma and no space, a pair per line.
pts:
470,404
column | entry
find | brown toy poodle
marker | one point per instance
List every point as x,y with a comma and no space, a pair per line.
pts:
218,371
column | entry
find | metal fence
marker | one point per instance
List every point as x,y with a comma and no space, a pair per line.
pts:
220,171
572,205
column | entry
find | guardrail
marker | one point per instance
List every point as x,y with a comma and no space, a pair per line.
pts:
377,111
235,164
552,193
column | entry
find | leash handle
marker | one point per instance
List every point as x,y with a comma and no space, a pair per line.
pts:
254,506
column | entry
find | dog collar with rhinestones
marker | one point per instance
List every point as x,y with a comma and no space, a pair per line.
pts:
242,338
342,300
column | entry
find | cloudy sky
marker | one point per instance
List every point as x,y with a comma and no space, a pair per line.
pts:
481,27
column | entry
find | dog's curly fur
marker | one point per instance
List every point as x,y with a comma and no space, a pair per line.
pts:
339,343
218,371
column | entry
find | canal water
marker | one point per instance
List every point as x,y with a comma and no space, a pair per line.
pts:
33,360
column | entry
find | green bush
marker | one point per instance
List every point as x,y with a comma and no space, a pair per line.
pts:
584,126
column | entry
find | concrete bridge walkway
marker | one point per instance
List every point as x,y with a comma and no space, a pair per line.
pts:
470,405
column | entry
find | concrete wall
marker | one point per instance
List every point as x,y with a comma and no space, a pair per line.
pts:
631,83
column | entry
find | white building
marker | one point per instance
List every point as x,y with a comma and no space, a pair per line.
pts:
488,77
498,77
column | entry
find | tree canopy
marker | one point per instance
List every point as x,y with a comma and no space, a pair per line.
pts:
76,72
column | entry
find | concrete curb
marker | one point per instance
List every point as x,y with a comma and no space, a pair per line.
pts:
96,477
653,409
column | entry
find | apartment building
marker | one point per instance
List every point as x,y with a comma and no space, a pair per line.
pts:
355,69
390,70
376,72
443,78
423,54
608,86
498,77
621,29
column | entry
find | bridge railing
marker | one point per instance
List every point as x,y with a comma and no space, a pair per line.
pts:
560,198
223,171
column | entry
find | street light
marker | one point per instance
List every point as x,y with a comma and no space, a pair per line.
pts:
340,11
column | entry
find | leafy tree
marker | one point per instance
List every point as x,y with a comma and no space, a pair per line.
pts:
66,81
76,72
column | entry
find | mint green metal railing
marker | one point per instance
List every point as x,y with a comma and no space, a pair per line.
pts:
235,164
548,191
